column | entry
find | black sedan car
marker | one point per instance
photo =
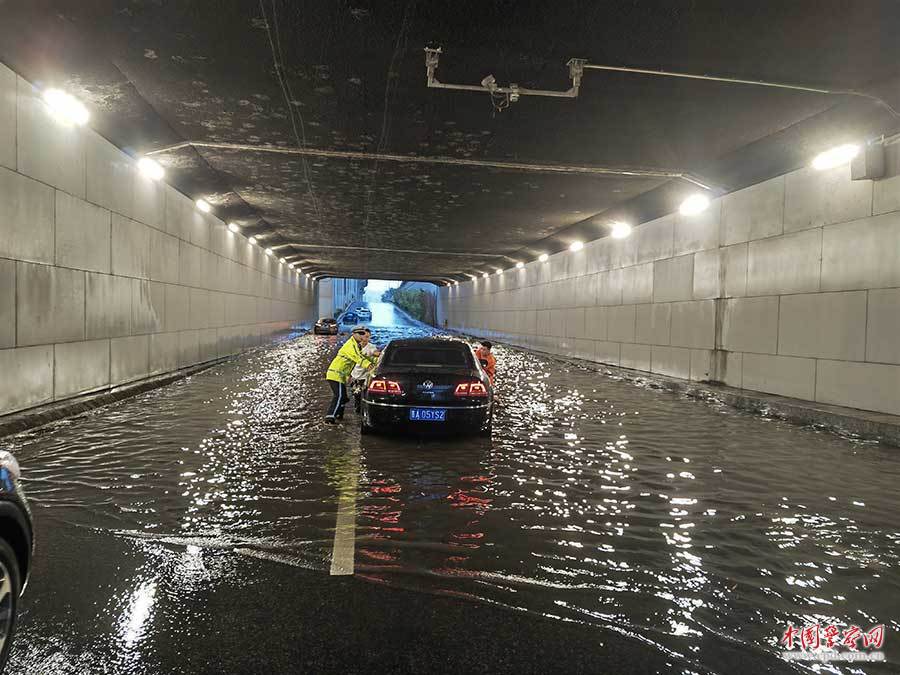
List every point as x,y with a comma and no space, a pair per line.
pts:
350,317
325,326
427,385
16,536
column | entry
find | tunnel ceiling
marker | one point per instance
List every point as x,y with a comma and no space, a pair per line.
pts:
158,73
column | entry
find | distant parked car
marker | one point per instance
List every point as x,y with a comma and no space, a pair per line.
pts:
16,537
350,317
326,326
365,314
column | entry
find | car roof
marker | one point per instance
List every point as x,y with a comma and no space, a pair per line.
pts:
428,342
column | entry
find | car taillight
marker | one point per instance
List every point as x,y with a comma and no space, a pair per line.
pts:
471,389
385,387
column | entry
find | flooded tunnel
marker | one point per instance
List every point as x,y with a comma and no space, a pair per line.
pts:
677,237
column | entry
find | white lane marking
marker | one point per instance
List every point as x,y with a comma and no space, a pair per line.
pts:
344,554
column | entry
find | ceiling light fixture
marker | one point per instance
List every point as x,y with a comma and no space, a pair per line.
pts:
234,228
485,275
282,261
835,157
621,230
576,246
269,251
543,257
203,205
66,108
456,283
696,203
520,265
150,168
252,240
499,272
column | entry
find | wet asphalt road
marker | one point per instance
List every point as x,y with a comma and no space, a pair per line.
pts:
210,526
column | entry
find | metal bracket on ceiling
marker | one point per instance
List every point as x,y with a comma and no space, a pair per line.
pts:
503,96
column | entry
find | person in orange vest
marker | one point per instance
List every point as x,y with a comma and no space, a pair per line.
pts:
488,362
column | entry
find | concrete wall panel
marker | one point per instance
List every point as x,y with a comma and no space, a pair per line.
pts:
883,331
163,352
575,323
180,214
754,212
26,219
198,308
707,274
671,361
862,254
652,323
823,325
110,175
596,322
27,377
82,234
621,323
149,201
177,308
814,198
730,370
636,357
734,272
129,358
699,232
859,385
782,375
107,306
694,324
637,284
673,279
130,248
751,325
148,301
655,239
51,152
189,347
701,365
80,367
607,352
164,265
609,287
49,304
7,303
788,264
7,117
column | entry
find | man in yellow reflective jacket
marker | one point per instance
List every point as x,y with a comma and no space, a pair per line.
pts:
338,375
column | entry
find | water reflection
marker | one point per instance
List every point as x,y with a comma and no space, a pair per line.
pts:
692,529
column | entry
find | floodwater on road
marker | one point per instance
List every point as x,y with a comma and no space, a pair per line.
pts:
669,525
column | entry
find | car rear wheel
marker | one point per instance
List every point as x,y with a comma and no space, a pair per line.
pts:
10,587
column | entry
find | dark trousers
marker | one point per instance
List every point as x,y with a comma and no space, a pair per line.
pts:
339,399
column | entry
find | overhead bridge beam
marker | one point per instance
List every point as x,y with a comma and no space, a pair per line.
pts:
446,161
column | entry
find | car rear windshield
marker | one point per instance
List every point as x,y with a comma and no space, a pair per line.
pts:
429,356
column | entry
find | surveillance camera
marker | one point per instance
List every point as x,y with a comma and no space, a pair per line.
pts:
489,82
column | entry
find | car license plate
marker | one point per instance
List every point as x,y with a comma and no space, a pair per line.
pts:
427,414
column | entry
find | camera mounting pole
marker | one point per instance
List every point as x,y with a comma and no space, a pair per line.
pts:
513,91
